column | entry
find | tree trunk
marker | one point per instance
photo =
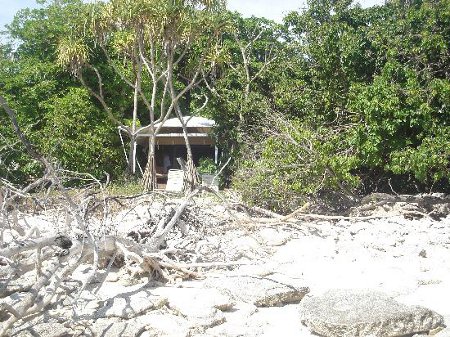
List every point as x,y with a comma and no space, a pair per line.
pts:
191,172
132,156
137,89
149,180
191,176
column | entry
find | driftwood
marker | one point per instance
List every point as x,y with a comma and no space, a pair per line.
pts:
61,241
163,229
308,216
43,291
273,218
21,308
138,259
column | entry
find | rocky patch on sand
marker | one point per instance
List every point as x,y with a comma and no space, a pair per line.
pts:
368,273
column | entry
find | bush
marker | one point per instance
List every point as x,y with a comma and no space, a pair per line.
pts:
80,137
206,166
429,162
291,162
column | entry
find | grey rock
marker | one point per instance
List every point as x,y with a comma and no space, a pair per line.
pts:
364,313
441,210
132,306
261,322
202,307
152,324
260,291
45,329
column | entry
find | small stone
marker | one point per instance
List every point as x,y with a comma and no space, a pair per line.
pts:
423,253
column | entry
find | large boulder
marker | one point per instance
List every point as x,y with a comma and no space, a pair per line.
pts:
364,313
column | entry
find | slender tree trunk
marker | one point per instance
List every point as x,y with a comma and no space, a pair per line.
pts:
132,155
149,180
191,172
191,176
150,170
137,90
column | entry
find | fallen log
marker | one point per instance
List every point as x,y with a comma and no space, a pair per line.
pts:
61,241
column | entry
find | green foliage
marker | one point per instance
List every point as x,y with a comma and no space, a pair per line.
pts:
429,162
370,91
292,161
405,109
79,136
56,115
206,165
15,164
34,81
382,74
38,30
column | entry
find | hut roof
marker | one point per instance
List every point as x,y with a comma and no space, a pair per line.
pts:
192,122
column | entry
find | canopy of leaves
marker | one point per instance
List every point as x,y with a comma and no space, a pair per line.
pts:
381,73
56,115
369,89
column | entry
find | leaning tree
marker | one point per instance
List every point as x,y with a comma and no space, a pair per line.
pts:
160,49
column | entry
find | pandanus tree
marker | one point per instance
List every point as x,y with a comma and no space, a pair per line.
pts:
160,49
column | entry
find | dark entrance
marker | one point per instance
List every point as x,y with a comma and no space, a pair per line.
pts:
166,157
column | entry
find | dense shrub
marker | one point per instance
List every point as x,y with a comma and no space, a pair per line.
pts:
292,161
